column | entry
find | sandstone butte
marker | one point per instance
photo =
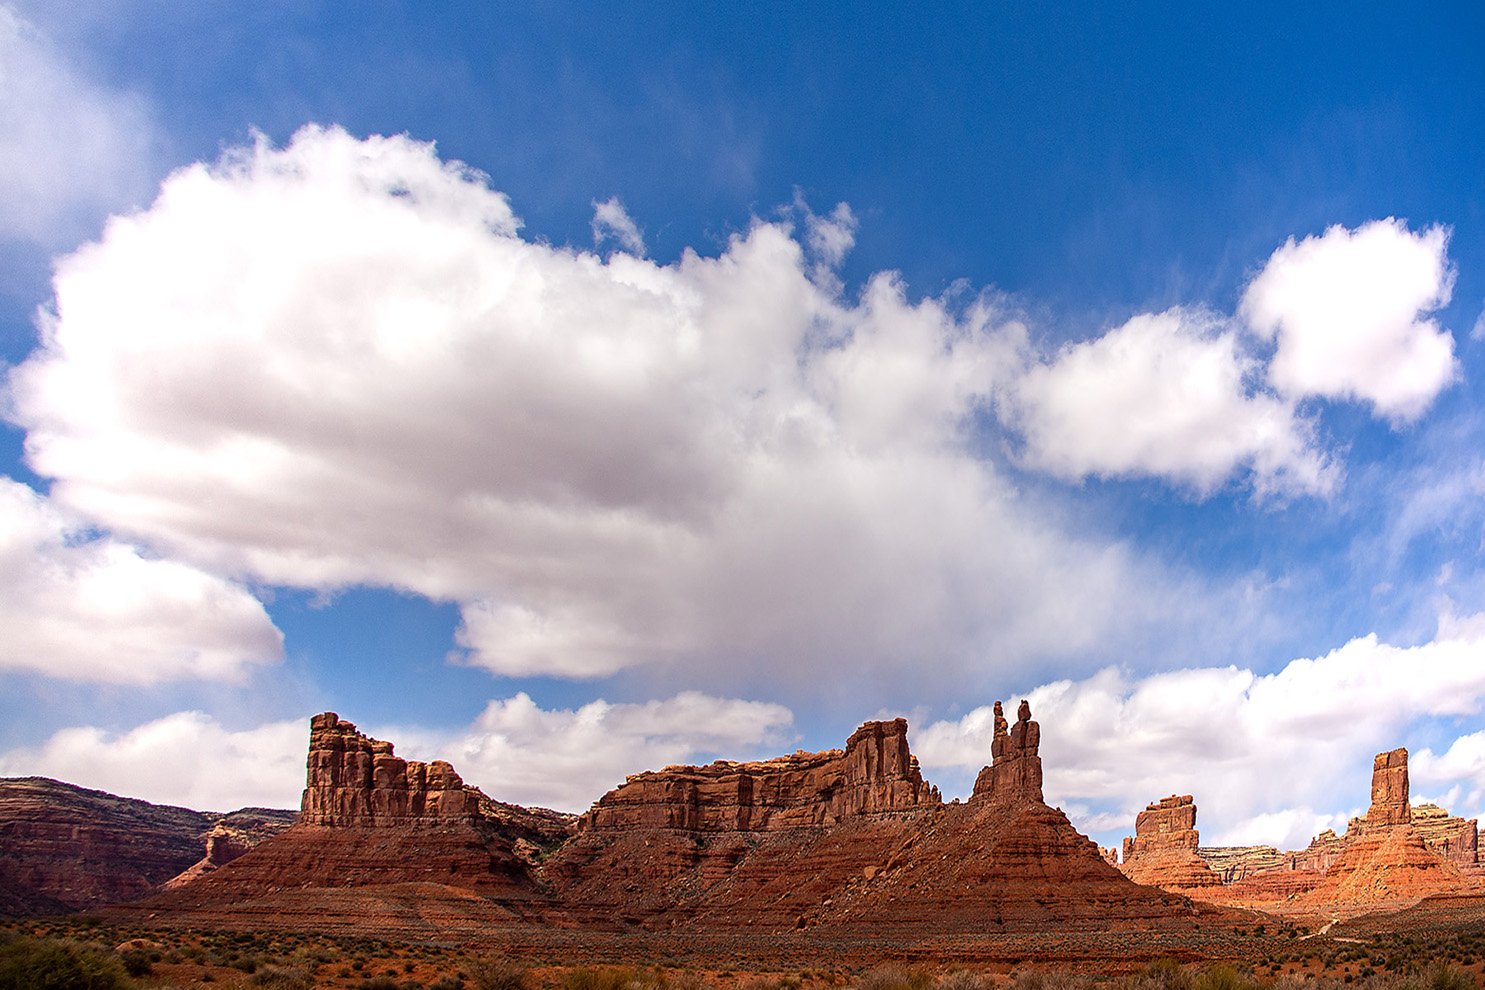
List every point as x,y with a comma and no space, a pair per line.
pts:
840,843
1388,859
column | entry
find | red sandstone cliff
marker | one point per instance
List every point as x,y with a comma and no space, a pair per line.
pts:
65,848
805,842
1392,857
1162,852
370,818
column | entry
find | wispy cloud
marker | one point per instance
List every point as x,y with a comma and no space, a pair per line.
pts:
71,150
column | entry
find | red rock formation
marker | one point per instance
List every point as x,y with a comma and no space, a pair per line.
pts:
369,818
1383,869
1455,839
229,838
1389,790
736,846
66,848
874,773
356,780
1162,852
1014,776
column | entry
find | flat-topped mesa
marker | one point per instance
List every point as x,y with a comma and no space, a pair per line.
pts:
1014,776
356,780
874,773
1389,790
1455,839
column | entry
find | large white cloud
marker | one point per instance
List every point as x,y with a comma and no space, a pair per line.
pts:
1164,395
1345,308
337,363
566,759
187,759
1269,758
78,606
70,150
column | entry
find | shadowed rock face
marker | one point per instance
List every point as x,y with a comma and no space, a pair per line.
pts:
65,848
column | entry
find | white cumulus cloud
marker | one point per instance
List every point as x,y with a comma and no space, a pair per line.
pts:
187,759
1165,395
338,363
568,758
1347,308
1269,758
80,606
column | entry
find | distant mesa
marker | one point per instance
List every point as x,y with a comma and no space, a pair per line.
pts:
1388,859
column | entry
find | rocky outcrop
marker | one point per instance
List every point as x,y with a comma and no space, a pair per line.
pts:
1383,869
1389,790
356,780
1234,863
66,848
1014,776
1162,851
874,773
232,836
371,819
1389,858
1455,839
807,842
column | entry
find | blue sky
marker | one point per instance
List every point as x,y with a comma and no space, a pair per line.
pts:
758,371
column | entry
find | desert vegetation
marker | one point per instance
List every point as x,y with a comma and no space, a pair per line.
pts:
85,954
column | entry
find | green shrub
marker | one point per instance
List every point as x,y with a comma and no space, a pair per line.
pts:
281,978
602,978
1223,977
1445,977
495,974
49,964
137,962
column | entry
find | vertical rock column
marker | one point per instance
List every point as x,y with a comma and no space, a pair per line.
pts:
1389,790
1015,775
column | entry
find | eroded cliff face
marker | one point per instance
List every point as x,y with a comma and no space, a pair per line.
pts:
1162,851
65,848
1389,858
371,819
845,839
874,773
356,780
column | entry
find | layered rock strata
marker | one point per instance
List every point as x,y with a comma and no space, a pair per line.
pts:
1455,839
371,819
803,842
1162,851
356,780
874,773
1391,857
66,848
1014,775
